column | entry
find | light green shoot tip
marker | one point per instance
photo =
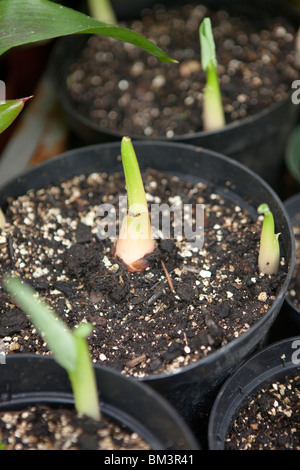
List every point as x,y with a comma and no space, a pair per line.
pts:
213,112
269,251
69,348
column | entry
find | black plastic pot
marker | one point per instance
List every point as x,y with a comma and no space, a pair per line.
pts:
28,379
292,155
287,323
271,364
257,141
190,389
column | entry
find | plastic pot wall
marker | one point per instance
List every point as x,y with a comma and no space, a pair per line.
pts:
257,141
30,379
270,364
190,389
292,155
287,323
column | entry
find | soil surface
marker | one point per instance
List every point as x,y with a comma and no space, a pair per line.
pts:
120,87
188,303
294,287
42,428
270,420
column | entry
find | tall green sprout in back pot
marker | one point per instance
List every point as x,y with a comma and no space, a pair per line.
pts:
257,64
131,417
183,314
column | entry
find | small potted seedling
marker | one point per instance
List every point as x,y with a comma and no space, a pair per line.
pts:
213,112
173,100
38,379
269,251
135,240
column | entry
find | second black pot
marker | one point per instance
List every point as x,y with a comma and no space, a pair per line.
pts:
257,141
190,389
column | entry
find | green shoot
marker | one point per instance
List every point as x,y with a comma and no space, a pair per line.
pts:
269,252
213,113
9,110
135,239
69,348
102,11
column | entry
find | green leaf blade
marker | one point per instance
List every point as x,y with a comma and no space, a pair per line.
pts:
9,110
59,339
207,43
26,21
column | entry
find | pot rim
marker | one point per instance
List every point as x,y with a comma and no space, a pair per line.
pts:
197,151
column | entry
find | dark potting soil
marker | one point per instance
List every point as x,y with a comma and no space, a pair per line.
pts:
40,427
120,87
270,420
294,287
143,323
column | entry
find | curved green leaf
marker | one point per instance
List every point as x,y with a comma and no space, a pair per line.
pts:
9,110
58,337
27,21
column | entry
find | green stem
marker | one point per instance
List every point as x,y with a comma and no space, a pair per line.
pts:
102,10
213,113
134,183
269,251
83,379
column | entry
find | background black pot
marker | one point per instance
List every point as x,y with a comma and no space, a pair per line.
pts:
292,155
28,379
270,364
257,141
190,389
288,321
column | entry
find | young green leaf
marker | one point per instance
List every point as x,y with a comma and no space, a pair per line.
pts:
28,21
269,251
9,110
69,348
213,113
135,241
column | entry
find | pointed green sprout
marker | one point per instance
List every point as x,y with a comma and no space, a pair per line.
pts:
135,239
69,348
102,10
213,113
9,110
269,252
